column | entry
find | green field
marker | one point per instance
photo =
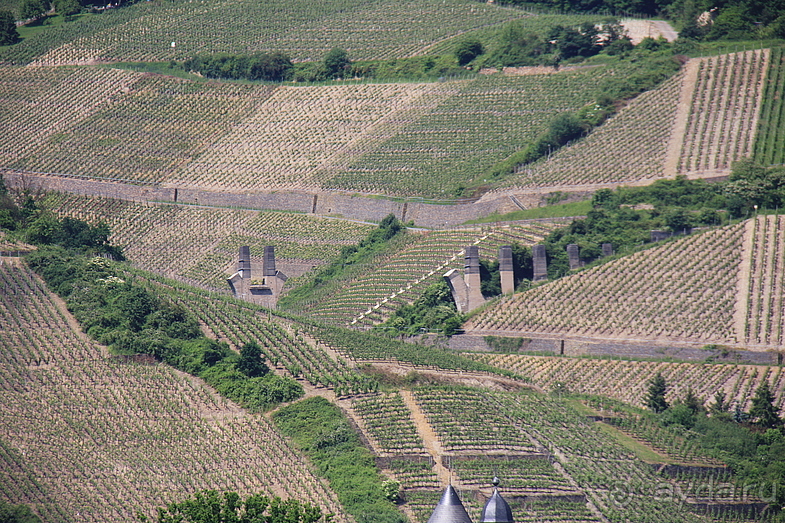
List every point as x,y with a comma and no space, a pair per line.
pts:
770,141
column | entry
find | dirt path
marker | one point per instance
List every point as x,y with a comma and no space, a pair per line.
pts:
429,437
743,282
676,141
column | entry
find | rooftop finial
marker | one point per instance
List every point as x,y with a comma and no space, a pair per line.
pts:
496,481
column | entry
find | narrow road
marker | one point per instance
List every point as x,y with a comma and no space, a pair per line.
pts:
428,435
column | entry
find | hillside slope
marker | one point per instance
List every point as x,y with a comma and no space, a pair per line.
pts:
305,30
416,139
85,437
200,244
719,286
696,124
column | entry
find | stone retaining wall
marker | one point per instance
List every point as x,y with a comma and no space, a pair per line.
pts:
351,206
622,349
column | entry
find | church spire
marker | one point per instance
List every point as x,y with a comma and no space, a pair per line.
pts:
450,509
496,509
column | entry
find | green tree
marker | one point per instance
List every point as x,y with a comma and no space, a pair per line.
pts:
763,411
250,362
32,9
692,402
67,7
655,397
17,514
211,507
336,63
678,220
720,406
8,35
467,50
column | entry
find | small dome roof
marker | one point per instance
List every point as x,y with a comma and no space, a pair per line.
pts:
496,510
450,509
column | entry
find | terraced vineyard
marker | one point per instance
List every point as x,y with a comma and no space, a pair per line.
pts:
422,139
763,292
483,122
200,245
599,467
287,349
304,30
770,139
629,147
399,277
34,100
84,437
145,132
300,131
627,381
389,423
688,293
724,112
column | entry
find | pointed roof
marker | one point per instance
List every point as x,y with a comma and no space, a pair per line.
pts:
450,509
496,510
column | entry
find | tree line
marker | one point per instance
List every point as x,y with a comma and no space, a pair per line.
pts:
752,442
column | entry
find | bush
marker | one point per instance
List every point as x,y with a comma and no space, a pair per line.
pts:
468,50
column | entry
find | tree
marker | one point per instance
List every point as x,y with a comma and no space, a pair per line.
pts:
211,507
468,50
719,406
17,514
336,63
655,398
692,402
67,7
250,362
32,9
763,410
8,35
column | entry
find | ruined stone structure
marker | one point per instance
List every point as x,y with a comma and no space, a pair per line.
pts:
573,254
607,249
506,270
262,289
540,262
466,288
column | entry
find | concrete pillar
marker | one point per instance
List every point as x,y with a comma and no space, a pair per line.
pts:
458,289
268,261
540,262
472,277
573,254
244,262
506,270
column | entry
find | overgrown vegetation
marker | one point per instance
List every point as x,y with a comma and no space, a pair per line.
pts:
647,70
323,433
350,256
433,311
752,443
626,216
271,67
31,224
132,319
17,513
228,507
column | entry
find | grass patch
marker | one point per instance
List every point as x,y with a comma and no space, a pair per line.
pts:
36,28
641,451
165,68
323,433
562,210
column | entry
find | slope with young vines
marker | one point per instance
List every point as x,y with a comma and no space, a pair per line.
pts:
101,438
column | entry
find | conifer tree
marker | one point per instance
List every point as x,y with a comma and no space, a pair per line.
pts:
763,410
655,398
